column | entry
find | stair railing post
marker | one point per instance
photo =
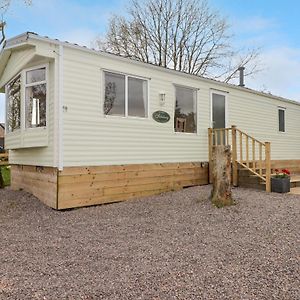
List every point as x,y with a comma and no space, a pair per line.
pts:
210,145
234,157
268,166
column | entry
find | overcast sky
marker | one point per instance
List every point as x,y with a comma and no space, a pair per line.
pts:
272,25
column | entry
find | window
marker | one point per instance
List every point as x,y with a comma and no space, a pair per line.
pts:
118,102
35,98
137,97
114,103
185,117
218,110
13,94
281,119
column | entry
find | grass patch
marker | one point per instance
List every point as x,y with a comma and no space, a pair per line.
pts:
5,171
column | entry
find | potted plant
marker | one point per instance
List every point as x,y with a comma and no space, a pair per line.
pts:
280,182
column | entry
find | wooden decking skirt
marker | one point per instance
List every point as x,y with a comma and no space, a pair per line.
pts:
84,186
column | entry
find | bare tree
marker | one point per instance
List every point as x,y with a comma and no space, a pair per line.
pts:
185,35
4,6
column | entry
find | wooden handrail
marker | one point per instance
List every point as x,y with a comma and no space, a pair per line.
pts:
248,146
252,138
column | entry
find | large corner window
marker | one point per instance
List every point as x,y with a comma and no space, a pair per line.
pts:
13,94
185,117
125,96
35,98
281,119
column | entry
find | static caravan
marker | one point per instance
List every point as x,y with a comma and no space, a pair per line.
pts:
85,127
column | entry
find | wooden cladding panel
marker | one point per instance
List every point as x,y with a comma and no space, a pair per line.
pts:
39,181
291,165
83,186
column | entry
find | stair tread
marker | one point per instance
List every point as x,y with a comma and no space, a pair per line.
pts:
293,179
295,191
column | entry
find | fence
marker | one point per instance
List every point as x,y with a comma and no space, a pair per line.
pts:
4,159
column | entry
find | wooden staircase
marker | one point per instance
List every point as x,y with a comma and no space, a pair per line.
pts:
247,153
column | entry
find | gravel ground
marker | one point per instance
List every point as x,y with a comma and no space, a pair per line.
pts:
172,246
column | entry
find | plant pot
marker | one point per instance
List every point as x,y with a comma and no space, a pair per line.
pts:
280,185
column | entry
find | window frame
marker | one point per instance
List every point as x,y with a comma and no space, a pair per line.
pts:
22,74
6,105
175,85
126,75
278,119
222,93
25,85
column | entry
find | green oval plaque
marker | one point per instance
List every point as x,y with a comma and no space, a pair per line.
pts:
161,116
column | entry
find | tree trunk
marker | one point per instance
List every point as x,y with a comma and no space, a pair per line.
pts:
221,172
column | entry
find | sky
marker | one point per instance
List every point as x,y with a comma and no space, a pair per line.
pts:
270,25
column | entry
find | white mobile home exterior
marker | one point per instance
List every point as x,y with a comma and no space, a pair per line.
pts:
78,133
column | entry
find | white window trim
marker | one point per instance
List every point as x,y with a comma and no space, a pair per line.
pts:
126,116
283,109
6,106
25,85
23,100
225,94
196,95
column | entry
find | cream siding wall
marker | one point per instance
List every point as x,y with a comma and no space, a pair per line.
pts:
18,59
34,137
90,138
258,116
39,155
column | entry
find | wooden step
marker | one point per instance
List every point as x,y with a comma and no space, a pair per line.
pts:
263,175
295,191
295,178
295,181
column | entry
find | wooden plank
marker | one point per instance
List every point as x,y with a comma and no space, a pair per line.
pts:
115,183
245,134
279,164
268,166
4,159
41,182
86,201
221,136
4,155
130,175
71,186
247,151
249,169
125,168
76,191
253,155
241,146
210,145
260,159
234,157
227,137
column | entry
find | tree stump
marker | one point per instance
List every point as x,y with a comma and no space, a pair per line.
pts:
221,172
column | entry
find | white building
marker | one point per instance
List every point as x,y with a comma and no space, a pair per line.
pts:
82,126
